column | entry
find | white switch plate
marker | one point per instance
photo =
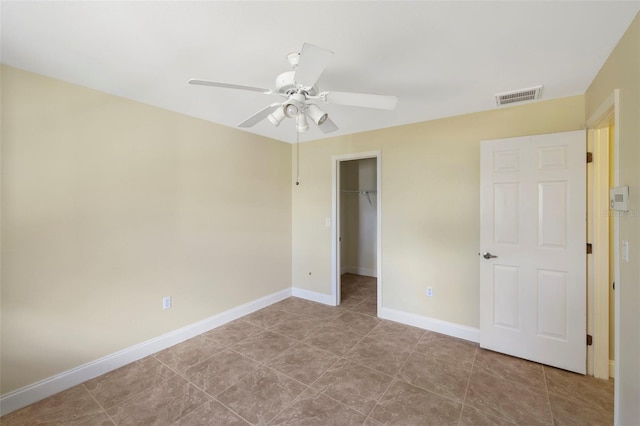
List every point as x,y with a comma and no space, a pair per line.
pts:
166,302
625,250
327,222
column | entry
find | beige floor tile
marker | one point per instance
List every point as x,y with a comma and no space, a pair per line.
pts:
100,420
366,307
447,348
188,353
233,332
161,404
348,301
220,371
571,411
379,355
397,334
267,317
315,409
510,368
297,327
354,321
74,406
353,385
303,362
585,389
126,382
503,398
211,413
441,377
403,404
263,346
261,395
334,339
473,417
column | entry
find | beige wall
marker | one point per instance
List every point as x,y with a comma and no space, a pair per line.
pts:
430,205
622,71
108,205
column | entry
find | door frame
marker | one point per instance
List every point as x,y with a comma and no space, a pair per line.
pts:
608,109
335,219
598,262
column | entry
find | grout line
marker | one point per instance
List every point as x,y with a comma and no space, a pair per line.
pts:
99,405
293,401
464,398
230,409
184,376
134,395
546,388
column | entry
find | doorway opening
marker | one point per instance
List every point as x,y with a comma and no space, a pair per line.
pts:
356,260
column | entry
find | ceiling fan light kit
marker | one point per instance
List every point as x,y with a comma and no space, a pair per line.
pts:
299,87
277,116
317,115
301,123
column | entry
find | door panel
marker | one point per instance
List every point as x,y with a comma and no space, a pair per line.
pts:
533,218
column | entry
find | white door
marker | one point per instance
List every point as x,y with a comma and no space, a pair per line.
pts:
533,219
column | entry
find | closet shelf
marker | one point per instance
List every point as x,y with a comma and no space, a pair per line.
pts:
361,192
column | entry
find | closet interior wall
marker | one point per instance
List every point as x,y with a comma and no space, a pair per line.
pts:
358,219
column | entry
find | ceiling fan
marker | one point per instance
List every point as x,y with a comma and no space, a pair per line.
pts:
300,90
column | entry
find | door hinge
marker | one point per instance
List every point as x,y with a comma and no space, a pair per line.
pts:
589,248
589,340
589,157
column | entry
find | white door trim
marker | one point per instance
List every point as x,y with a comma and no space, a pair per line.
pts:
610,106
335,219
598,261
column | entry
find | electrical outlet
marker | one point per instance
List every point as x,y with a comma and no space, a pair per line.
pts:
166,302
429,292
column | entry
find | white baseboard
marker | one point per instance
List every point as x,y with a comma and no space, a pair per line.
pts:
35,392
358,271
612,369
325,299
431,324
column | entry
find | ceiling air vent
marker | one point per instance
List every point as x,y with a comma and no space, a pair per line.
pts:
521,95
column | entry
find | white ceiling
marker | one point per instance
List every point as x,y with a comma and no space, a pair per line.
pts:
439,58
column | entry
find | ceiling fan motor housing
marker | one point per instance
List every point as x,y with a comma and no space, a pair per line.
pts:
286,85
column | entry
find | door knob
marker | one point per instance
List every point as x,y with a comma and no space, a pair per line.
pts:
488,255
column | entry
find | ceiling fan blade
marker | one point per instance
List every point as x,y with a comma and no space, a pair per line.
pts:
259,116
360,100
229,86
328,126
312,62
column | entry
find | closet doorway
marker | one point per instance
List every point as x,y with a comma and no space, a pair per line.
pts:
356,241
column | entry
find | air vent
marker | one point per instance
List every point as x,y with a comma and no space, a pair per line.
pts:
521,95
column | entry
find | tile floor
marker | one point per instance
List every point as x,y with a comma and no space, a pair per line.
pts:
301,363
